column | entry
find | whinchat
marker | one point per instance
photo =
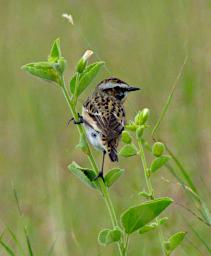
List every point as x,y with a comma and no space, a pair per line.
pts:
103,116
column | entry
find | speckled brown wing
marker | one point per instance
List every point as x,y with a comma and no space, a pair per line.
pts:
106,115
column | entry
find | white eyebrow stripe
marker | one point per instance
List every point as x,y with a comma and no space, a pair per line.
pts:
110,85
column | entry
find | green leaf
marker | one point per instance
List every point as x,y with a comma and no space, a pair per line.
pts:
158,163
128,150
147,228
73,84
108,236
112,176
55,53
88,75
126,138
85,175
44,70
174,241
137,216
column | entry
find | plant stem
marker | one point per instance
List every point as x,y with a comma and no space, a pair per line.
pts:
102,185
150,190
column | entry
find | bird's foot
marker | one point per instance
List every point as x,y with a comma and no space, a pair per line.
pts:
80,120
100,175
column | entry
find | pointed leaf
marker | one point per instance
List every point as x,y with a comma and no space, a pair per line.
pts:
140,215
55,53
159,162
112,176
44,70
73,84
108,236
85,175
174,241
88,75
128,150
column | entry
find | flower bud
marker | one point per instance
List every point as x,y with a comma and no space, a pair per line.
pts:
142,116
131,126
83,61
158,149
126,138
62,64
139,132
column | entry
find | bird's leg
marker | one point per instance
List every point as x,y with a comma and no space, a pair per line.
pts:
100,174
76,122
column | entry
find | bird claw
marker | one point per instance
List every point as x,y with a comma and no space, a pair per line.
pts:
76,122
100,175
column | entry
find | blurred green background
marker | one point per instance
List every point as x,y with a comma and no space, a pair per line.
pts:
144,43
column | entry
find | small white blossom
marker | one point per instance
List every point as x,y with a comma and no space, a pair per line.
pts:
87,55
68,17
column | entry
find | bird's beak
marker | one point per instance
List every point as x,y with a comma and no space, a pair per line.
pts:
132,88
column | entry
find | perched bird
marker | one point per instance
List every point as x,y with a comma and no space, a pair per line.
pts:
103,116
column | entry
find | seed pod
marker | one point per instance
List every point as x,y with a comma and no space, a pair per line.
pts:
139,132
126,138
142,116
158,149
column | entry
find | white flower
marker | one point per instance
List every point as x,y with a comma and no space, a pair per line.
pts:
68,17
87,55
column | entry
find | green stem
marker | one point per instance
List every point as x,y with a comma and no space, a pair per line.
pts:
150,190
102,185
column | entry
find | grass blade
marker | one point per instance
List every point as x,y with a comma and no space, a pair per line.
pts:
167,104
28,242
16,241
7,248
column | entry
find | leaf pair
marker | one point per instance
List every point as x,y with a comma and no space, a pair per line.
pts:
87,176
80,82
50,70
138,216
173,242
108,236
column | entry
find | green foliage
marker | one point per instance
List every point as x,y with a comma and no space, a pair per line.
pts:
50,70
44,70
55,53
147,228
108,236
7,248
112,176
128,150
159,162
28,243
173,242
145,194
85,175
137,216
158,149
85,78
126,138
142,116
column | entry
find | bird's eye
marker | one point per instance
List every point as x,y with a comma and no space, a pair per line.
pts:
120,95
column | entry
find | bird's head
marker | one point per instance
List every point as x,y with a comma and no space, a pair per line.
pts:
116,88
